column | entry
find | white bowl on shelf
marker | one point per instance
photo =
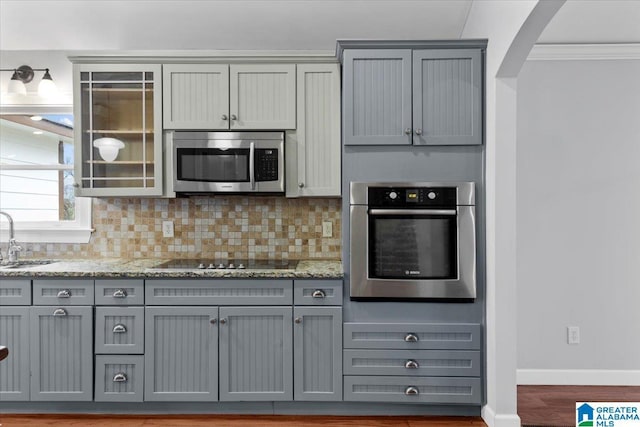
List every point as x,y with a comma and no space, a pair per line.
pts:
108,148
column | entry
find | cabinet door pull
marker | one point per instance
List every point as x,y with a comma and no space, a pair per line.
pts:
119,329
213,321
234,117
59,312
411,391
411,364
411,337
318,293
65,293
223,321
120,377
418,131
120,293
224,117
407,131
298,320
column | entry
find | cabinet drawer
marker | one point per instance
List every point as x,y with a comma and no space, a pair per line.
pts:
120,330
454,363
413,389
119,292
412,336
317,292
15,292
119,378
218,292
63,292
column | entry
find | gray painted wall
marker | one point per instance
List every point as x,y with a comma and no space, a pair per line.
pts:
578,214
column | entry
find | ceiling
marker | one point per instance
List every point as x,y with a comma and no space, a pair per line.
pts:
276,24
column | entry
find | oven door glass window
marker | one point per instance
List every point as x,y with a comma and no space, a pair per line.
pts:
213,165
413,247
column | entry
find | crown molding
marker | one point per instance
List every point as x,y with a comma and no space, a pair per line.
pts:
584,52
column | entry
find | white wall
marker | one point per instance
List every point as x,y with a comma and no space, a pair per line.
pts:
578,221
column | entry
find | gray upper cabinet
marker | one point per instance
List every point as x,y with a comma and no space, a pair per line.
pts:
255,353
181,354
14,370
419,96
61,353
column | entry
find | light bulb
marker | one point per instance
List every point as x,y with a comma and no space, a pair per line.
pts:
15,86
47,88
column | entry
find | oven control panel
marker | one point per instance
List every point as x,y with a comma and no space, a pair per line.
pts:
412,197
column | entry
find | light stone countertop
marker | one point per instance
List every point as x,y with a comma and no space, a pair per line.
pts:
143,268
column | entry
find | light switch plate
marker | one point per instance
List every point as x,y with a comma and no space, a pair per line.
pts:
573,335
167,228
327,229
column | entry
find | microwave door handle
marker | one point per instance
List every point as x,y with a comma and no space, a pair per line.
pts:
252,176
424,212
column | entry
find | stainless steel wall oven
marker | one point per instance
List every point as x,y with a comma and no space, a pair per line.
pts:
412,240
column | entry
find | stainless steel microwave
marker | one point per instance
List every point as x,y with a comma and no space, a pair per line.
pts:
229,162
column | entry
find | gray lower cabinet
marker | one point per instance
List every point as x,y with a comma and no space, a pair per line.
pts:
61,353
256,353
181,354
317,353
14,370
119,378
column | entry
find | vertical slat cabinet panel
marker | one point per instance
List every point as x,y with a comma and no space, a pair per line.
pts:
318,130
196,96
255,353
14,370
181,354
317,347
377,97
61,353
262,96
447,103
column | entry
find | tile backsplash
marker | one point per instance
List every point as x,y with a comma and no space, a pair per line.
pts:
227,227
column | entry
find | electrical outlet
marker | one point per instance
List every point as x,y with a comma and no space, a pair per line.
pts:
327,229
573,335
167,228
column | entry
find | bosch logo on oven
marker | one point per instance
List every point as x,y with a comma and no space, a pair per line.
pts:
412,272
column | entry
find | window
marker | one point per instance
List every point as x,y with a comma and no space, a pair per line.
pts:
36,179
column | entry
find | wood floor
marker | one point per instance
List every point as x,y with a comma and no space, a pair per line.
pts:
234,421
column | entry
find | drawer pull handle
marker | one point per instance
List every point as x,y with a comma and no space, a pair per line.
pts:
213,321
120,293
411,364
412,391
411,337
223,321
60,312
318,293
120,378
298,320
119,329
65,293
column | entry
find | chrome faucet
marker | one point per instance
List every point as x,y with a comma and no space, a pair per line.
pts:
13,249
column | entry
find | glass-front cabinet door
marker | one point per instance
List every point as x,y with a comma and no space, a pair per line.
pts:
119,134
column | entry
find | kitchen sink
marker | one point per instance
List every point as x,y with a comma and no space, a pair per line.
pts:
26,263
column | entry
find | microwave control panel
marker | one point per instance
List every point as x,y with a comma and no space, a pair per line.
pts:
266,168
412,197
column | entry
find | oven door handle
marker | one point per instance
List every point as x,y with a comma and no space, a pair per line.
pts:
252,176
423,212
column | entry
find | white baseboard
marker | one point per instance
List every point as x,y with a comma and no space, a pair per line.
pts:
577,377
499,420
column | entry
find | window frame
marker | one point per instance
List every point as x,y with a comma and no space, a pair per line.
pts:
77,231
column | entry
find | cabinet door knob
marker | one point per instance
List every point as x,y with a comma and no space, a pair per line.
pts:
301,185
298,320
411,391
120,293
65,293
411,364
59,312
119,329
418,131
223,321
318,293
120,378
76,185
213,321
407,131
224,117
234,117
410,337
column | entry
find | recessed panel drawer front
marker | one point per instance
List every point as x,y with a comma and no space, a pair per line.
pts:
15,292
119,378
412,336
63,292
119,292
454,363
120,330
317,292
218,292
413,389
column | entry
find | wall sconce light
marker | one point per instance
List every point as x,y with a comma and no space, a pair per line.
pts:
24,74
